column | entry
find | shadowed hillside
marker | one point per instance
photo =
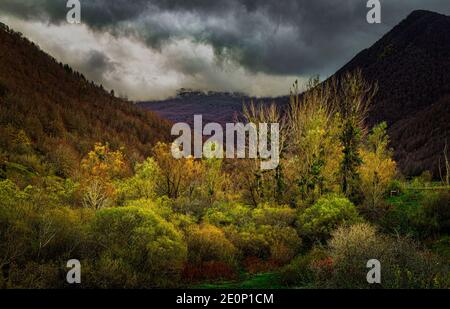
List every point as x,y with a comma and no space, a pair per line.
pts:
46,106
411,64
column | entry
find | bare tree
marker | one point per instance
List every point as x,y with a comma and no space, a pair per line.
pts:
259,183
95,196
445,178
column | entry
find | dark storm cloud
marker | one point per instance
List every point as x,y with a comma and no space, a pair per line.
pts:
299,37
97,64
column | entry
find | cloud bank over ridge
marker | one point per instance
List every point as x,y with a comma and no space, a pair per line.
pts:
148,49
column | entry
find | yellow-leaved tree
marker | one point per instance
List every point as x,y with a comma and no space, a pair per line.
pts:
378,168
179,177
314,140
99,168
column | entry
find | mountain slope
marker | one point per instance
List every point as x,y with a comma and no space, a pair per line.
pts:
411,65
56,112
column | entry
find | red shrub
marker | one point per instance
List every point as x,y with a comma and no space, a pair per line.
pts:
324,266
213,271
256,265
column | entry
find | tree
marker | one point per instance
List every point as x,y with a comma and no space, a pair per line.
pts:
143,185
377,169
351,137
97,194
22,143
265,185
354,96
213,179
100,167
314,144
446,177
178,176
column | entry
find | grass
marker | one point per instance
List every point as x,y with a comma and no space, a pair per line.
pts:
409,199
259,281
403,213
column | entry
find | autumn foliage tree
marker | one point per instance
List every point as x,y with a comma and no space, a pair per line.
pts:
178,176
378,168
100,167
315,148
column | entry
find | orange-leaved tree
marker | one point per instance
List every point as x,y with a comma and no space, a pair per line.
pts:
99,168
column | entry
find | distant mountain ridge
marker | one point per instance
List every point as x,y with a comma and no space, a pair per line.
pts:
411,65
221,107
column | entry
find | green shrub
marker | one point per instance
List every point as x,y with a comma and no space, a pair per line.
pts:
284,242
33,275
402,214
144,248
142,185
249,242
265,232
318,221
211,256
38,236
435,214
266,214
299,272
225,214
61,233
208,243
396,186
419,214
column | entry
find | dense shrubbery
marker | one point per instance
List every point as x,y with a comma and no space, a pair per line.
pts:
342,264
211,255
421,214
265,233
208,243
38,235
435,214
139,244
300,272
320,220
403,264
171,223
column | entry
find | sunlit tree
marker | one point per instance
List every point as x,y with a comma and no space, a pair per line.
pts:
178,176
378,168
100,167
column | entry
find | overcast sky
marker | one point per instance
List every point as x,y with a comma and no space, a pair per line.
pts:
148,49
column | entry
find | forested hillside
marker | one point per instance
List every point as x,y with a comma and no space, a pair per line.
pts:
50,115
